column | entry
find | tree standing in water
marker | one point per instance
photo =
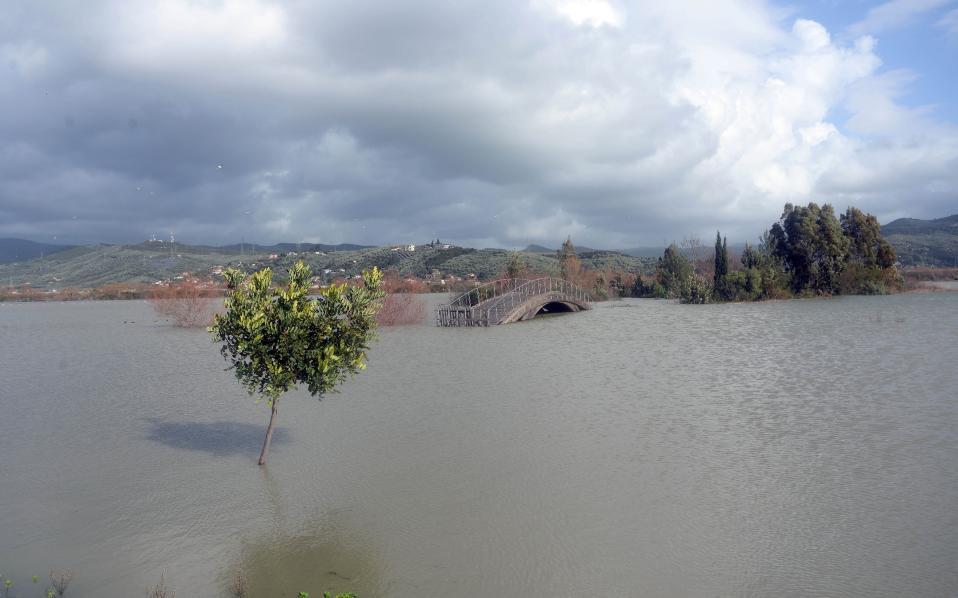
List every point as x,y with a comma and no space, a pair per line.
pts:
277,338
569,265
515,266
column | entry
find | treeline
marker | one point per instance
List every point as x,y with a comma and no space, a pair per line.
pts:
808,252
109,291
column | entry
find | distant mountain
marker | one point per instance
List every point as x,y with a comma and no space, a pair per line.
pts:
914,226
924,242
20,250
538,249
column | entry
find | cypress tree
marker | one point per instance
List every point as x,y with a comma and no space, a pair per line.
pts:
724,256
721,260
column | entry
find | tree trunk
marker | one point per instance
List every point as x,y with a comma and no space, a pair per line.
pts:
269,434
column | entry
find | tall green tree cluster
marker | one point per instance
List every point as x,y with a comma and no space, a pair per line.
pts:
808,251
675,278
671,274
812,246
822,254
674,270
866,245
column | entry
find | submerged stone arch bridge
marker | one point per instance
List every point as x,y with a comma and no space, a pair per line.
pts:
512,300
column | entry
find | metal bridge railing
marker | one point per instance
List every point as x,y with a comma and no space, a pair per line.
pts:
489,303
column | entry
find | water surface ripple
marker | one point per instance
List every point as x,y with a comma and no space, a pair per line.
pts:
801,448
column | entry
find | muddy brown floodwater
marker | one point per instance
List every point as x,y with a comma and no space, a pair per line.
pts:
799,448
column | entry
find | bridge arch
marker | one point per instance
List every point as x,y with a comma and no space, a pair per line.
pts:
512,300
543,305
557,307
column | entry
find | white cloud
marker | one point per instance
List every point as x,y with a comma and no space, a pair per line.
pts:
813,35
199,37
584,12
621,123
775,139
895,14
949,22
817,133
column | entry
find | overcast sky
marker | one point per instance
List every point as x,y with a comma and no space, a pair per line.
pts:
487,123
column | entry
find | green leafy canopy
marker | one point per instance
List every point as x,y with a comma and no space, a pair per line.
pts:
277,338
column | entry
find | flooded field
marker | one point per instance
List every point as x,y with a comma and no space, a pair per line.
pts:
799,448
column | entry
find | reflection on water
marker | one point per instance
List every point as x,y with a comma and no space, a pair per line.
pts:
320,558
322,554
800,448
216,438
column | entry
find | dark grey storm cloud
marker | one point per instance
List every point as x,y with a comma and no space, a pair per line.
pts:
487,123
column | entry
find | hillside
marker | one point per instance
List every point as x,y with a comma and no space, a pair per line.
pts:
924,242
95,266
18,250
457,261
918,243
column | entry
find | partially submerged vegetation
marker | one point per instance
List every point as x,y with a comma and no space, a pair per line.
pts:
602,283
403,303
808,252
59,582
187,305
277,338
